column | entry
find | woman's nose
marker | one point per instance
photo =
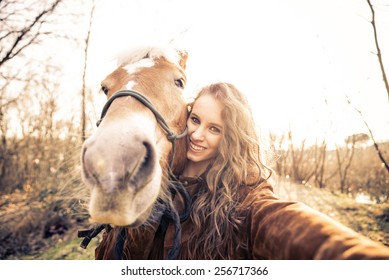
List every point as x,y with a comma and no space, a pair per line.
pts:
198,134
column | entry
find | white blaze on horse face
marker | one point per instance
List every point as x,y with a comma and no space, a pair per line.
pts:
130,85
132,68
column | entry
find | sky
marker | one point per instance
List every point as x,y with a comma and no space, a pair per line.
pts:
296,60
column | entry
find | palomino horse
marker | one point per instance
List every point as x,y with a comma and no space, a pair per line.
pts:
126,161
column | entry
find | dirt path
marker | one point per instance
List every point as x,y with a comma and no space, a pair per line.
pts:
368,219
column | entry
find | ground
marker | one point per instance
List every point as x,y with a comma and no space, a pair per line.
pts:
372,220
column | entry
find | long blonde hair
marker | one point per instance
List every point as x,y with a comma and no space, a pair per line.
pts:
238,163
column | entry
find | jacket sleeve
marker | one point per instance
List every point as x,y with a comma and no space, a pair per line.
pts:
291,230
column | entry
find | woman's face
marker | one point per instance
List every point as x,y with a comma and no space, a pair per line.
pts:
205,129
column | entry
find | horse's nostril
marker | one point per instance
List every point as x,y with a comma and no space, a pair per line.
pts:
148,162
148,155
85,164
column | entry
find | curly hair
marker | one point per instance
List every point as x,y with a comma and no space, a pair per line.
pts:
238,163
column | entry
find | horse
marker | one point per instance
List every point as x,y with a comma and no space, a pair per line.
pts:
139,141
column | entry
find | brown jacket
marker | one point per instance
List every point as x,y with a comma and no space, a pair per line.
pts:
273,229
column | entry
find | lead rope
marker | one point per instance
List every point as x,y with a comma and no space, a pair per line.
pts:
119,244
178,219
170,215
91,233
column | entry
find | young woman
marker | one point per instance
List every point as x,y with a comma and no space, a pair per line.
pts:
234,213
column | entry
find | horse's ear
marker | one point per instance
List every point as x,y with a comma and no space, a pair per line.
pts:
183,58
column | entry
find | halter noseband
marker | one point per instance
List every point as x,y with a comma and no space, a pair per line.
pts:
171,136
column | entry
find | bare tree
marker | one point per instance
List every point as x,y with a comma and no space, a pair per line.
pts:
376,146
379,55
320,152
83,93
277,144
345,157
23,25
301,168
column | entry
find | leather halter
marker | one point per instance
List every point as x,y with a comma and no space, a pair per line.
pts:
171,136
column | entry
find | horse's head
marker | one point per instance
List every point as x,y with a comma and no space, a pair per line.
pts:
125,162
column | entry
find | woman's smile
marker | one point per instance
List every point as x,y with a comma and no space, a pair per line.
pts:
195,147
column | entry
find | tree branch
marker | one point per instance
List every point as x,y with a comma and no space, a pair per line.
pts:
378,48
83,101
380,155
17,46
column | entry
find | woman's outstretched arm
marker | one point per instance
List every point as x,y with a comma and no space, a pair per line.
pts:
291,230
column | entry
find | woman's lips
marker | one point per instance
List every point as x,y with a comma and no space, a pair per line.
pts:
195,147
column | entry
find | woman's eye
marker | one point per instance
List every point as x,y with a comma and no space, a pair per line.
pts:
179,83
215,129
105,90
195,120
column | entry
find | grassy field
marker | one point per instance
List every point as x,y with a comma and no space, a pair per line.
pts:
66,248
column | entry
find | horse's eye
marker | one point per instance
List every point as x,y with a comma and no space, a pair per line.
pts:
179,83
104,89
